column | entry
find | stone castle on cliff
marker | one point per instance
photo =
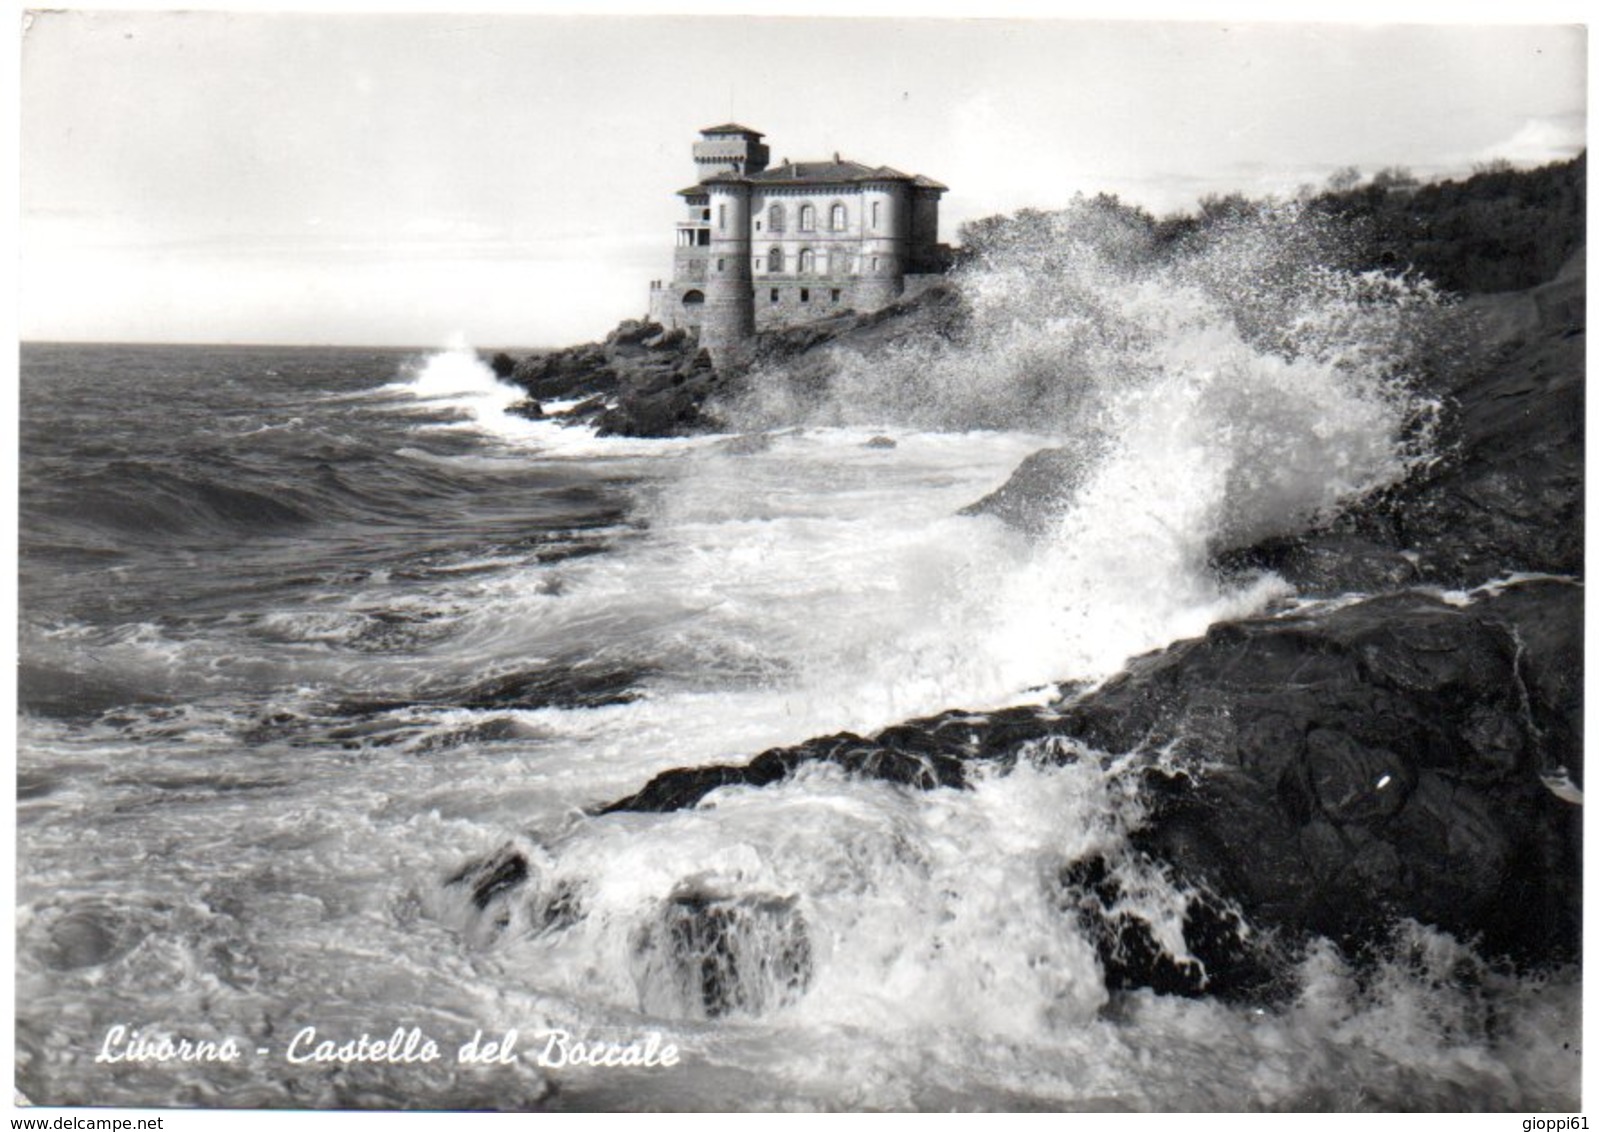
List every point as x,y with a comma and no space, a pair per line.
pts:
768,246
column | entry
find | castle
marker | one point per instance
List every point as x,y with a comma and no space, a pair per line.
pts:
774,246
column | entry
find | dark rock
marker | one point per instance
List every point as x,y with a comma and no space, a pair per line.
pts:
1325,565
1355,784
504,888
668,401
1507,493
631,332
491,877
641,381
667,339
1222,955
881,442
564,375
557,686
1040,488
503,365
1377,761
923,754
707,955
583,410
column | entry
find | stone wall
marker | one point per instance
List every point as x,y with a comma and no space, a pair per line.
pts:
786,302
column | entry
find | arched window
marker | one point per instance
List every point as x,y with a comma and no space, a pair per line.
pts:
774,218
693,298
807,218
807,263
774,260
839,219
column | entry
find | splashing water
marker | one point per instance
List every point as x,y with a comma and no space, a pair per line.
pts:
275,841
457,378
1206,396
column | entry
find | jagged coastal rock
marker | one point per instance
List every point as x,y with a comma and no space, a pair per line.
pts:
1412,754
645,381
1506,495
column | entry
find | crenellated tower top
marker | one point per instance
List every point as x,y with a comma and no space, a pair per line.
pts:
729,148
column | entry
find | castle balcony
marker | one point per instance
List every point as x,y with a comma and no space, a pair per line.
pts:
693,234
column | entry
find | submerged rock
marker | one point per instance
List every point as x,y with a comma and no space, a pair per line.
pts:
491,877
706,955
504,890
1040,488
1220,954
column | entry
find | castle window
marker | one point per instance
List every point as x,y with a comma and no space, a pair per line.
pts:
719,264
757,225
840,219
837,294
774,260
705,215
705,237
807,262
805,294
721,217
807,218
877,213
774,218
774,294
874,263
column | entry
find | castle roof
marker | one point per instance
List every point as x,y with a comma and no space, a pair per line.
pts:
731,128
817,173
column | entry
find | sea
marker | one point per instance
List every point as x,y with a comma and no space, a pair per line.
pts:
306,633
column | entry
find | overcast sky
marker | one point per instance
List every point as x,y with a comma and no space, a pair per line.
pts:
402,179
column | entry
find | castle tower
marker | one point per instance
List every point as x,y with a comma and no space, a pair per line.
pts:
730,149
729,319
885,231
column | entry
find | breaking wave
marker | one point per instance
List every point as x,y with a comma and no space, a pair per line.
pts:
1233,374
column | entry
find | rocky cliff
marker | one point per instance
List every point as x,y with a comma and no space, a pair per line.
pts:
646,381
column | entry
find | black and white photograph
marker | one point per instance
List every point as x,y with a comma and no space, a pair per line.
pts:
733,563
